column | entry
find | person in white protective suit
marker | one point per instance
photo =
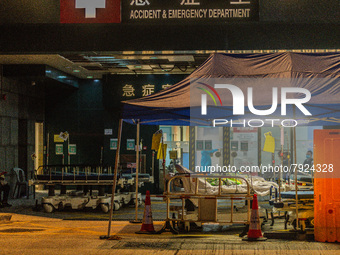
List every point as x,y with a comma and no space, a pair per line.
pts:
206,159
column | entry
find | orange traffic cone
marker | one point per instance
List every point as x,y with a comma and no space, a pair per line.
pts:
147,225
254,233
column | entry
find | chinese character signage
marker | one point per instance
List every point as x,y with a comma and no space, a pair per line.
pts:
89,11
165,86
191,2
125,87
139,2
148,89
176,11
128,90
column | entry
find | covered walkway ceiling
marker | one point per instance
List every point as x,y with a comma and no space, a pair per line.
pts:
93,65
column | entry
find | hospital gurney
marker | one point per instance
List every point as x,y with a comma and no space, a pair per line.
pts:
288,205
257,184
85,177
205,198
304,182
211,208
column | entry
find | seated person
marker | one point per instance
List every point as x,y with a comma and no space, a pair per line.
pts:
308,163
4,188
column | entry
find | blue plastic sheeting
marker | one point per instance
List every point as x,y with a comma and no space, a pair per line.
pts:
320,74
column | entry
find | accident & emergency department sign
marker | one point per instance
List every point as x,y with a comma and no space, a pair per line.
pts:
171,11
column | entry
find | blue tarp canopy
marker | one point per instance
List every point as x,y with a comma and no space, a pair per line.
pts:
318,73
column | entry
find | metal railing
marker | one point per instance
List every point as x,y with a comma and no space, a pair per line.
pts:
80,175
200,193
62,174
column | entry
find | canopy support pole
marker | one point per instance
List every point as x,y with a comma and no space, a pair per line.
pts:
120,127
137,172
281,156
68,152
295,181
296,185
163,165
153,165
47,148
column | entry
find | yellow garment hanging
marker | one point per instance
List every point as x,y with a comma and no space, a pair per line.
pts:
161,152
156,139
269,143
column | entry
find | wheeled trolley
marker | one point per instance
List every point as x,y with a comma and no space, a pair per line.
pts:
79,200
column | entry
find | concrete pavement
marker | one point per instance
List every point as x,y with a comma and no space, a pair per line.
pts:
41,235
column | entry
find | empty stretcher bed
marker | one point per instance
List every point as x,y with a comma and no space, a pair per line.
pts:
86,177
305,204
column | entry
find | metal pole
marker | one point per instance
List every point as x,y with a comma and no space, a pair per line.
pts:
68,151
164,170
47,148
296,186
280,174
101,156
290,156
120,127
140,156
153,165
295,160
137,170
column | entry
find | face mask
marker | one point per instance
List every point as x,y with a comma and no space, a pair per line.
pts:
308,156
